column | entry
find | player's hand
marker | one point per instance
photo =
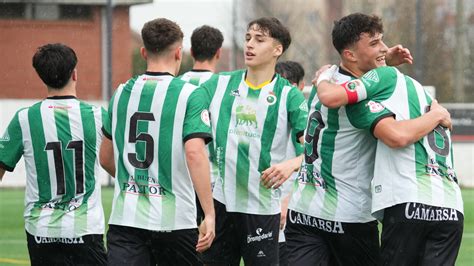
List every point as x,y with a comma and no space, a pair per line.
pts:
324,73
444,114
398,55
207,232
277,174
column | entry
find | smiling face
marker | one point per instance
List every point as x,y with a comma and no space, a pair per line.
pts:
260,48
369,52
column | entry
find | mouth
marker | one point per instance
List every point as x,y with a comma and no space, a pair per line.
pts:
249,54
380,59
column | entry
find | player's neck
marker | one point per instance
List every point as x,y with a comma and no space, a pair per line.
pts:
352,68
260,74
205,65
68,90
162,66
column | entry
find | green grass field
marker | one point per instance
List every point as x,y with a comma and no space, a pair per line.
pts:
13,249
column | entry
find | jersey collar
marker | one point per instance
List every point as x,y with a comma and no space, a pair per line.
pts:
61,97
151,73
345,72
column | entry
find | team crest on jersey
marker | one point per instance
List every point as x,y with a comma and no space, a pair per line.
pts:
271,98
235,93
371,76
375,107
5,137
205,117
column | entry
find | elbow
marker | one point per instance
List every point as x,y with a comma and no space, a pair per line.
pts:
195,156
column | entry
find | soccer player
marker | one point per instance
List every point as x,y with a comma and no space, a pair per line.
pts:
59,138
415,191
253,111
330,219
156,132
206,43
294,73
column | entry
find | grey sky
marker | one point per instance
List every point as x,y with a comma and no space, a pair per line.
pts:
189,14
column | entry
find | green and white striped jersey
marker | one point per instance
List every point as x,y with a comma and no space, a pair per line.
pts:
251,129
422,172
334,179
151,116
196,76
59,138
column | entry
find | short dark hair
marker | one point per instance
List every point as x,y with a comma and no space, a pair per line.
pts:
291,70
274,28
54,64
347,30
159,34
205,41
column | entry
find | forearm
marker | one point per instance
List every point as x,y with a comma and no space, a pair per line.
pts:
198,164
106,156
398,134
2,172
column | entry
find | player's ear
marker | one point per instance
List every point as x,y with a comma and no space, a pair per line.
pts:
278,49
349,55
74,74
178,53
143,53
218,53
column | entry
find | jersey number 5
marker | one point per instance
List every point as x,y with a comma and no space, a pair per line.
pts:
144,137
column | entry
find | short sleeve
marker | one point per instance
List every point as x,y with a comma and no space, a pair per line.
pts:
366,114
297,112
379,82
11,144
197,122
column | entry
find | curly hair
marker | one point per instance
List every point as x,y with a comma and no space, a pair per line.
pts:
205,41
159,34
347,31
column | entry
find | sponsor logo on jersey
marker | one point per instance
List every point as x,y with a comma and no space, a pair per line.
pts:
334,227
375,107
417,211
59,107
313,178
260,254
235,93
371,76
435,169
152,78
5,137
378,188
259,236
205,117
46,240
245,116
142,185
70,206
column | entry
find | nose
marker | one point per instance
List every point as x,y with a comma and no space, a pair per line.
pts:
384,47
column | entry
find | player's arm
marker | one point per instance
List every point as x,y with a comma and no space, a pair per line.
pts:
2,172
398,134
11,146
198,165
106,155
196,134
398,55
